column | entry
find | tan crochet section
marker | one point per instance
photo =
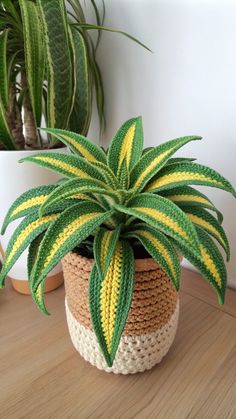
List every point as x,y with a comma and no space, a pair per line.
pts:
154,298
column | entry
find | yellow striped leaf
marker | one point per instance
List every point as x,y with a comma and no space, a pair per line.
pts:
210,263
160,249
103,248
186,195
27,203
163,215
79,144
73,226
126,145
67,164
188,174
203,219
24,234
110,298
152,161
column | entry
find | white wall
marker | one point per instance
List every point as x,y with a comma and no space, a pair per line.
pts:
187,86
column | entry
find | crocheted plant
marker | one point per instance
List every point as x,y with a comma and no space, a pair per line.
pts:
119,204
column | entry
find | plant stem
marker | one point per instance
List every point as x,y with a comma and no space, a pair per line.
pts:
14,119
31,137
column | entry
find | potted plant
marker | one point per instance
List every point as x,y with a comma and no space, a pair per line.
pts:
47,75
119,221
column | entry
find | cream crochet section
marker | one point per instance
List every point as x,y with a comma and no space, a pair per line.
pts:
135,353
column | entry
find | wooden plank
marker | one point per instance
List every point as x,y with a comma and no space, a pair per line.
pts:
193,284
42,376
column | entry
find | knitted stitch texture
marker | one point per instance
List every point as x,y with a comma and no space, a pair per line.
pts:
151,324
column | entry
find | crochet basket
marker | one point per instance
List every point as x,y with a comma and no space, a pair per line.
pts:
151,324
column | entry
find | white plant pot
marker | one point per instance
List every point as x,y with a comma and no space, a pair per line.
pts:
16,178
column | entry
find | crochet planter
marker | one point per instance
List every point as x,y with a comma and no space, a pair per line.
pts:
151,324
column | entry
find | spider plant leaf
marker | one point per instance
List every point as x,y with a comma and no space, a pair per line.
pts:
152,161
160,249
24,234
79,144
163,215
67,164
34,54
210,263
110,299
186,195
33,252
126,145
202,218
72,226
81,112
59,63
75,187
105,242
175,160
89,26
177,175
27,203
6,137
4,83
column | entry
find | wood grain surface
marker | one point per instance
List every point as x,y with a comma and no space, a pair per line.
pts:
42,376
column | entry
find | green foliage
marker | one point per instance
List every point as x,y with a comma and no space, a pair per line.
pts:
112,203
48,69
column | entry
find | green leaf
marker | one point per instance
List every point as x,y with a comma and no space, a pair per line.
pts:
160,249
176,175
210,263
110,299
27,203
67,164
163,215
103,248
59,63
24,234
126,146
34,54
202,218
152,161
75,187
88,26
79,144
4,85
81,113
185,195
72,227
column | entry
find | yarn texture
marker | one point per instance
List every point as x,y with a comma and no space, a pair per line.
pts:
151,325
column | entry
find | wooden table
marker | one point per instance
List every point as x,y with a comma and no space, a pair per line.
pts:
42,376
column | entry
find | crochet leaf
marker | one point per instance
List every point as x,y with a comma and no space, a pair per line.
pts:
176,175
76,187
126,145
27,203
110,299
24,234
210,263
72,226
67,164
202,218
59,63
103,248
81,113
79,144
186,196
160,249
34,55
152,161
163,215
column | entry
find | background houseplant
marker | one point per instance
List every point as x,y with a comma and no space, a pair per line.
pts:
118,206
47,75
